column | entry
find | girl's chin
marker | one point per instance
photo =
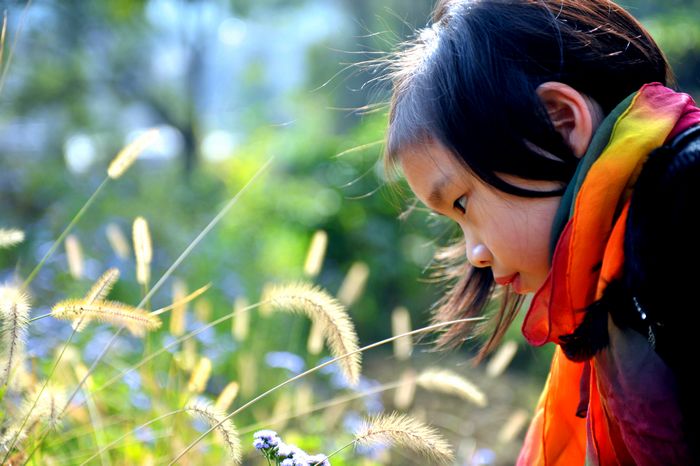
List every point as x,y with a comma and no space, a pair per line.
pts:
518,286
521,286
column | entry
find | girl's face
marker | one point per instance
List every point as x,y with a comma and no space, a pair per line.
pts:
507,233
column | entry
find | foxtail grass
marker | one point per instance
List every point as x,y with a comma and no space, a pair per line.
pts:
10,237
405,392
401,323
117,240
316,253
178,316
99,291
143,250
172,268
14,318
227,396
74,256
148,295
446,381
137,321
503,357
3,32
18,33
512,427
38,407
329,314
83,209
354,283
126,157
318,367
403,431
200,376
240,326
225,427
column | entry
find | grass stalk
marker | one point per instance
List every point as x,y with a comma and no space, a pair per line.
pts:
11,53
63,235
314,369
148,296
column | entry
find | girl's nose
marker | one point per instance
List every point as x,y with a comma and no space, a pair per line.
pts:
478,255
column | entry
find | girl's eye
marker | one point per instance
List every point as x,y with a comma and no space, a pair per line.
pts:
461,204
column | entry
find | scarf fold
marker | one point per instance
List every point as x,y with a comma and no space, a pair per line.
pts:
590,228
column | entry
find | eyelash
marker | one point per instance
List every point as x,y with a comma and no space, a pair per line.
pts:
457,205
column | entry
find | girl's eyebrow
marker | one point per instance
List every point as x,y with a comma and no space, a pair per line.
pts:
435,196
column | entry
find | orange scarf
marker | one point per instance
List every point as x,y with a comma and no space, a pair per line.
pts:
588,255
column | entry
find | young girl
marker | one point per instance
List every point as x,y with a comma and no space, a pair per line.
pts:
547,131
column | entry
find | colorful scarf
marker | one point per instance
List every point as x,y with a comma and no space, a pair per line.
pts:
588,255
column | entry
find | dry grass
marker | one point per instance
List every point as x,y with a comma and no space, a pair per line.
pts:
143,250
326,312
137,321
14,318
406,432
99,291
224,427
10,237
126,157
448,382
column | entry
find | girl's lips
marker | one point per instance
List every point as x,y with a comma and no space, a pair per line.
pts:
506,280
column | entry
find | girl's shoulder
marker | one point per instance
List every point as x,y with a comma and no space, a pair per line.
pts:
662,251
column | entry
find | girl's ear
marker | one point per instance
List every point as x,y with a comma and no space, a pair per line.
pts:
574,115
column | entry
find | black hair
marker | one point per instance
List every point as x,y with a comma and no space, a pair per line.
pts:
469,83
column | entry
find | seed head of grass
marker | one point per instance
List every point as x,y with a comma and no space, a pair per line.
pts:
10,237
38,407
99,291
137,321
327,312
74,255
200,376
446,381
404,431
126,157
226,397
14,318
354,283
214,417
142,250
118,241
317,250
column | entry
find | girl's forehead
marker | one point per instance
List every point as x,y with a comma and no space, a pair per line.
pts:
431,170
432,159
433,164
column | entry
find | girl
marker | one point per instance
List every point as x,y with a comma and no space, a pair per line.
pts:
545,129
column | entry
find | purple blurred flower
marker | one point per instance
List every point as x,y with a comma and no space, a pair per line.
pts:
265,439
285,451
320,459
483,457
